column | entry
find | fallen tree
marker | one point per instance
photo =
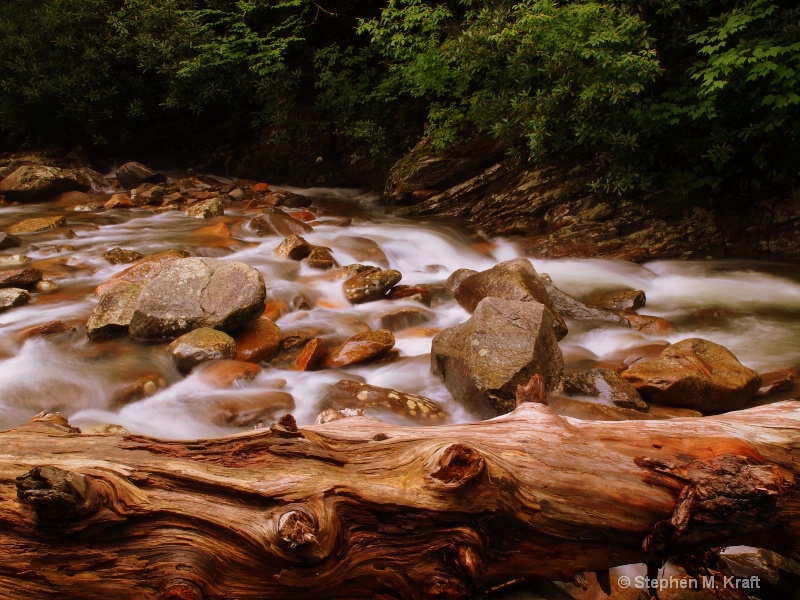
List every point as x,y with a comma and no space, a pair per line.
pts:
358,508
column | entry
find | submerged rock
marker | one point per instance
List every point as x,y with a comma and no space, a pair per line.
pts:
370,285
11,297
502,345
9,241
20,278
38,224
360,348
357,395
606,385
512,280
274,221
118,256
257,341
190,293
575,309
201,345
695,373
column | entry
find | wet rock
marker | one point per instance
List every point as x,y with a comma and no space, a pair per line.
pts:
149,266
310,356
619,299
11,297
190,293
403,318
236,194
606,385
249,411
776,576
45,329
141,388
147,194
502,345
588,410
119,201
206,209
9,241
46,286
776,382
417,293
357,395
201,345
362,250
20,278
37,224
575,309
293,247
649,324
13,260
112,315
360,348
321,258
225,373
370,285
512,280
274,221
455,279
697,374
118,256
257,341
36,182
133,174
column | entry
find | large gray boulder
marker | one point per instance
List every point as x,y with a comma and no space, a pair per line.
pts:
36,182
513,280
695,373
190,293
503,344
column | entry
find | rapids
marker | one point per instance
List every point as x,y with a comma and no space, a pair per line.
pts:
752,308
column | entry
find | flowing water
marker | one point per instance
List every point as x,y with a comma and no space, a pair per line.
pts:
751,308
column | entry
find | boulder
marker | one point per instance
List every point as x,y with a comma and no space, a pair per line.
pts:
360,348
502,345
695,373
370,285
20,278
274,221
9,241
606,385
35,182
512,280
354,394
293,247
133,174
37,224
257,341
189,293
455,278
206,209
112,315
11,297
201,345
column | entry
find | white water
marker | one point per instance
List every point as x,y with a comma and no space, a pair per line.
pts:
760,323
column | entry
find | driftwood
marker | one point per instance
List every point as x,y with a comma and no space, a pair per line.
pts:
358,508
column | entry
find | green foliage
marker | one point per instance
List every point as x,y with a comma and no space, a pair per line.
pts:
690,94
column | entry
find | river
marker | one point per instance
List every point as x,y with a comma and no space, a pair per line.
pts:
752,308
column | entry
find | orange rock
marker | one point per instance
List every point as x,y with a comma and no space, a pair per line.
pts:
649,324
258,340
329,303
224,373
303,215
49,328
118,201
309,356
261,187
360,348
274,310
249,411
221,230
150,265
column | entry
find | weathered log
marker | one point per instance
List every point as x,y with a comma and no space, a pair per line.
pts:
357,508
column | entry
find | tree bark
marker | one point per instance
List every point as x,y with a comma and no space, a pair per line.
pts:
358,508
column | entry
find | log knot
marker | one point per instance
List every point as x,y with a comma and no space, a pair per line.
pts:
182,590
458,465
722,497
297,528
55,494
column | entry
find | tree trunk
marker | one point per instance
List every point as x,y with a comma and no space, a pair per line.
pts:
358,508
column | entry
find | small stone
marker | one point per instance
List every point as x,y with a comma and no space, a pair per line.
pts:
46,286
274,221
9,241
38,224
260,187
201,345
118,256
249,411
370,285
11,297
45,329
119,201
360,348
606,385
648,324
293,247
619,299
148,194
310,356
236,194
417,293
225,373
19,278
321,258
206,209
143,387
257,341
